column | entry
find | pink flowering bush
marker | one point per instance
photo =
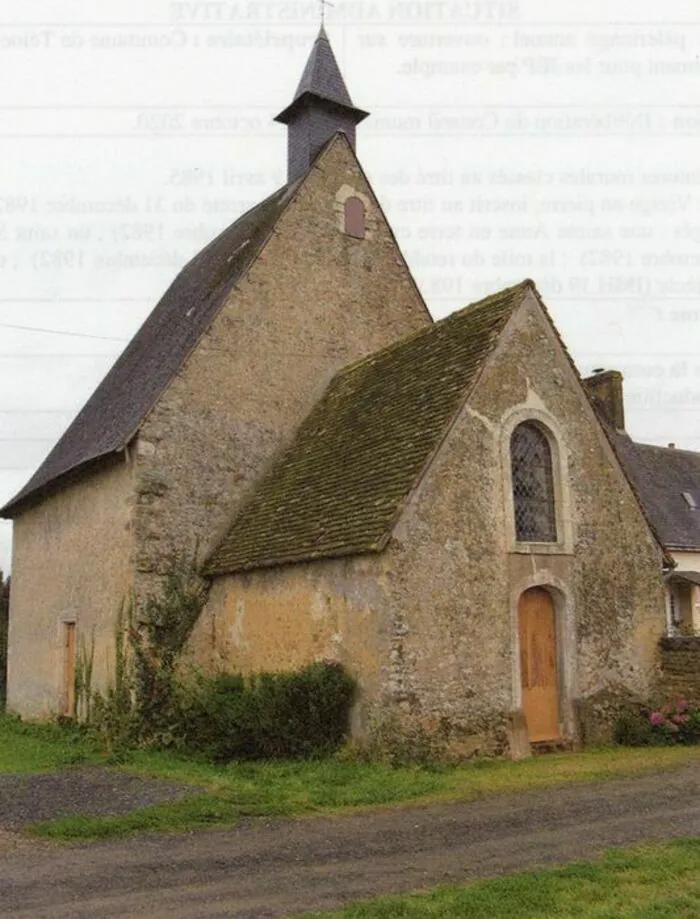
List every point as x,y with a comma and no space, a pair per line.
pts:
674,722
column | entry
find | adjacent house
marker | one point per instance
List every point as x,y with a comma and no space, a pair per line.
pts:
668,483
437,505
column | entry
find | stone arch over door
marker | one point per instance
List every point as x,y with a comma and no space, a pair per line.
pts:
566,644
540,662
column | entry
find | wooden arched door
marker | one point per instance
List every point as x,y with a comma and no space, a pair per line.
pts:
538,664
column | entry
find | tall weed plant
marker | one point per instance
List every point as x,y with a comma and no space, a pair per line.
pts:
156,699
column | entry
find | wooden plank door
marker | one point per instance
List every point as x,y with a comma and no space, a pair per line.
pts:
69,669
538,664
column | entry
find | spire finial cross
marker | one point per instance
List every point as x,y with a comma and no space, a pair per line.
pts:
324,4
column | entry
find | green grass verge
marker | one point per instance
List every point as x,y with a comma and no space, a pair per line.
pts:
222,794
198,812
334,783
643,882
227,793
249,790
27,747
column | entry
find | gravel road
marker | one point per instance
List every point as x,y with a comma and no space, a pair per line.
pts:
267,869
89,790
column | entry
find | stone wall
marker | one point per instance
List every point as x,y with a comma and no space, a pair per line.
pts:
680,668
71,563
457,573
283,618
430,626
314,301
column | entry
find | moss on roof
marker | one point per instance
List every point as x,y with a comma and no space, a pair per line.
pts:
339,486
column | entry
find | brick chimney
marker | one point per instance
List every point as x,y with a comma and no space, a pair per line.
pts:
605,388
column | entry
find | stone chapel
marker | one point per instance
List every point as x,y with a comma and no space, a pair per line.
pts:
435,504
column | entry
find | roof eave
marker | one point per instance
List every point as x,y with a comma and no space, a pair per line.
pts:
17,505
304,100
223,570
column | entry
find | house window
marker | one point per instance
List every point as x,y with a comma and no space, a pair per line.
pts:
681,606
689,498
355,217
533,484
673,608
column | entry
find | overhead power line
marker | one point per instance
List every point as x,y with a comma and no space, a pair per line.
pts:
31,328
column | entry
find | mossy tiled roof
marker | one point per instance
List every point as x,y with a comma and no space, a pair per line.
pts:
339,486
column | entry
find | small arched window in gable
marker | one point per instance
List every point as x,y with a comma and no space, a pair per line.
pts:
355,217
533,484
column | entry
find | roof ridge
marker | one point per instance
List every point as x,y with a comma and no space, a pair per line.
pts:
640,443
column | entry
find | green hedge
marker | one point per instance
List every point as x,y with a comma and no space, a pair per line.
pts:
269,715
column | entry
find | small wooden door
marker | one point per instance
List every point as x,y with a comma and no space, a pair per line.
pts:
69,669
538,664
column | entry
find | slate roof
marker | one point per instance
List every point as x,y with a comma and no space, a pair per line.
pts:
661,475
339,486
113,413
691,577
322,75
321,79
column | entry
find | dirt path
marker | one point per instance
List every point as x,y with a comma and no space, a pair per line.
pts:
281,868
87,790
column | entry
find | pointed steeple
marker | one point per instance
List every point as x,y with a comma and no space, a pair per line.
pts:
321,107
322,75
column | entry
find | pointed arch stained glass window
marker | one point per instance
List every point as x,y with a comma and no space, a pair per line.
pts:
533,484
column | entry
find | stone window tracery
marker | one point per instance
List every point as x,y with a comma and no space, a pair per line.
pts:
533,484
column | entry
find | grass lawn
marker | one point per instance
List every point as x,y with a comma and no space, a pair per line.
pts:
26,747
222,794
644,882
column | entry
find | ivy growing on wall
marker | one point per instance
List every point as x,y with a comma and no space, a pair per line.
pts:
157,698
141,706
